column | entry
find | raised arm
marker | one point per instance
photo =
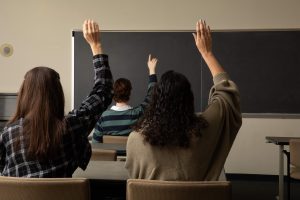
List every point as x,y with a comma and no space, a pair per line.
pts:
152,63
83,119
203,42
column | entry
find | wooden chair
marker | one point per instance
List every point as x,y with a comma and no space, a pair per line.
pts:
138,189
293,160
15,188
115,139
110,139
104,155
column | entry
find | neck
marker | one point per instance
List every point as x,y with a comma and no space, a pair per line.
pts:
121,104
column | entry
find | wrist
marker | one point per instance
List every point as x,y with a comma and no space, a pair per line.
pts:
151,72
207,55
96,48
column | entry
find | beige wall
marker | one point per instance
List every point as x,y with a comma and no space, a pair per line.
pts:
40,32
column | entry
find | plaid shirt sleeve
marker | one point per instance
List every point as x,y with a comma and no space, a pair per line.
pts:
2,154
81,121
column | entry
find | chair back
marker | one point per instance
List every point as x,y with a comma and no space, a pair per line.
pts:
295,152
138,189
104,155
115,139
16,188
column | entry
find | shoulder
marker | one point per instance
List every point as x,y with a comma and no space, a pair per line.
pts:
135,139
135,135
108,112
12,129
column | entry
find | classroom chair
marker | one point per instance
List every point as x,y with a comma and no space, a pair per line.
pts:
104,155
141,189
293,168
111,139
16,188
115,139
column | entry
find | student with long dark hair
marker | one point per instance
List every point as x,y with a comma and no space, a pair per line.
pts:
170,142
40,141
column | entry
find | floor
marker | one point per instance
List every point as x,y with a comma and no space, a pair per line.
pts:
244,187
259,187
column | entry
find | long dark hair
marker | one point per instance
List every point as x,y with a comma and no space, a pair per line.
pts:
170,119
41,104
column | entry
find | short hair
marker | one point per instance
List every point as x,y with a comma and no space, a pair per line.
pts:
122,90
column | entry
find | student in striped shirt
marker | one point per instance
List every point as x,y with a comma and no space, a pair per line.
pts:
119,119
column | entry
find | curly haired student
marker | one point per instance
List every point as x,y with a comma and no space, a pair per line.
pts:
171,142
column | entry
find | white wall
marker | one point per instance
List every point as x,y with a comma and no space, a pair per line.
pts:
40,32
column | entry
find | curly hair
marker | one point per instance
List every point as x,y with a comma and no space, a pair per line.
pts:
170,119
122,89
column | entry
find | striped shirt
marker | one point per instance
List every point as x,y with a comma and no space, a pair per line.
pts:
75,149
119,122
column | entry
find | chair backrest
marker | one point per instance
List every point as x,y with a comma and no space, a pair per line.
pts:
104,155
115,139
16,188
138,189
295,152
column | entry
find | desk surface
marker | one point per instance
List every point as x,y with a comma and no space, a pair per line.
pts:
120,148
104,170
280,140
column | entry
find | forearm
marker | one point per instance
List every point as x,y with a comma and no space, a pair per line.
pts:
102,81
213,64
151,84
97,101
152,80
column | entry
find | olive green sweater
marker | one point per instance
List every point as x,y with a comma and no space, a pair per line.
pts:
205,157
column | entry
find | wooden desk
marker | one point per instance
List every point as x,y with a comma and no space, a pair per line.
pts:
104,170
281,142
120,148
107,179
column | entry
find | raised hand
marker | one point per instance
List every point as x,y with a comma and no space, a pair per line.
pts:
152,64
203,42
91,34
203,38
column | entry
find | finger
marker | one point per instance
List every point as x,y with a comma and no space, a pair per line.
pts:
198,28
208,33
92,26
96,27
89,25
201,29
85,25
149,58
195,37
204,29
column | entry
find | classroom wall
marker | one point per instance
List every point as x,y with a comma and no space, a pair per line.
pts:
40,32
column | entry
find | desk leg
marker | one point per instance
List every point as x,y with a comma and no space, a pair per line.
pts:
281,173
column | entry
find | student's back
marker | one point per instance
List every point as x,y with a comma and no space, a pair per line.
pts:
120,118
40,141
170,142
